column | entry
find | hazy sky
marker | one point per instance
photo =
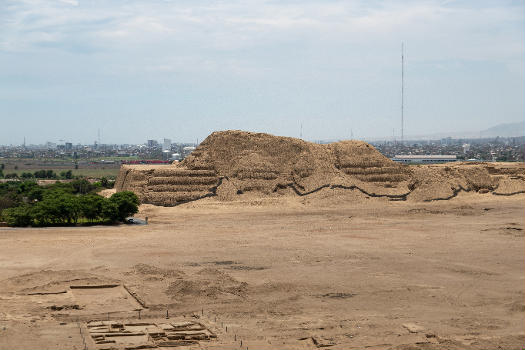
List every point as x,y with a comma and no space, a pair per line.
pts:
181,69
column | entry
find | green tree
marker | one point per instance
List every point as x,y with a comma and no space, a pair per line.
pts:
72,209
104,182
127,203
18,216
59,204
48,211
110,210
58,207
60,187
40,174
8,201
91,206
10,195
27,186
42,214
66,174
82,186
36,194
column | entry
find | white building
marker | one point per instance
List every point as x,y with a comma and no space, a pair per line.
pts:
166,145
410,158
187,150
175,156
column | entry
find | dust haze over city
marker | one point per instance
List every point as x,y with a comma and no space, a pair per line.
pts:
262,174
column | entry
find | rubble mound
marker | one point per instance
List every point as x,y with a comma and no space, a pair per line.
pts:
208,283
231,163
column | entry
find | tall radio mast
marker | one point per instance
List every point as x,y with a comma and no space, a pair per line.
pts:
402,92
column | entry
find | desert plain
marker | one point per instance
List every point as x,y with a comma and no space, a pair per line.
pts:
294,273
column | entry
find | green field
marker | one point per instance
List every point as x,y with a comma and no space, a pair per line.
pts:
20,166
88,172
96,173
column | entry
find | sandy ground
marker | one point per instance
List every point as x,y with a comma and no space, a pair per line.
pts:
294,274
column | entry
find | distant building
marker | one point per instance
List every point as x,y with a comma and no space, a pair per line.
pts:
466,148
410,158
446,141
166,145
152,143
69,146
187,150
175,156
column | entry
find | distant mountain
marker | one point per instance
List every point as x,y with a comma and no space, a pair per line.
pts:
505,130
502,130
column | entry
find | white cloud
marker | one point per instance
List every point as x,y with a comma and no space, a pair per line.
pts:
299,48
233,25
265,35
70,2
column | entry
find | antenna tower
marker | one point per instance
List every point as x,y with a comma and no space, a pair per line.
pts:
402,92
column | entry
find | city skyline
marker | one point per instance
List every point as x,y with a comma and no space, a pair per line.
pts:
506,130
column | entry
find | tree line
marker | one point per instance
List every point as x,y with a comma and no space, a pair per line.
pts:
38,174
51,175
29,204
